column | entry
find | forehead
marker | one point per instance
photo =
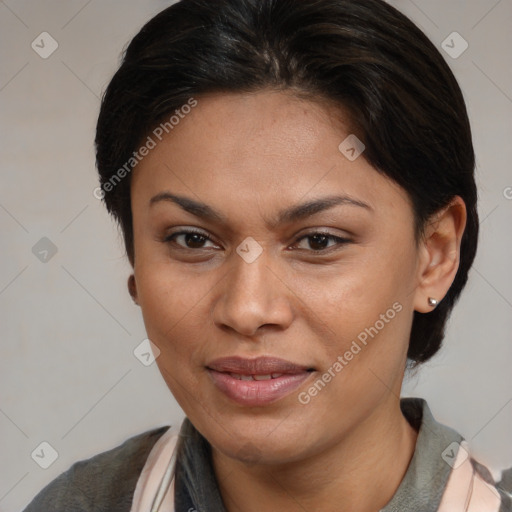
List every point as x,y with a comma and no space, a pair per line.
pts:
269,146
265,123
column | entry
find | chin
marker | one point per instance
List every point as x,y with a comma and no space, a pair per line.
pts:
255,440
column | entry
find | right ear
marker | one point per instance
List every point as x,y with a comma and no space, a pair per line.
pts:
132,288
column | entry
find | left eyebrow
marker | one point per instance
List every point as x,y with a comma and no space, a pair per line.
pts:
303,210
291,214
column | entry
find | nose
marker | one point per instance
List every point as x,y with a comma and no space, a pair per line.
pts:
253,295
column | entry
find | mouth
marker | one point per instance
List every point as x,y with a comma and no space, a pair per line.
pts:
259,381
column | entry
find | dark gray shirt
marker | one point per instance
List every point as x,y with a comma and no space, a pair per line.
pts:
106,482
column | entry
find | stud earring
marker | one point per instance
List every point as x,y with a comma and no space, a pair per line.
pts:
432,302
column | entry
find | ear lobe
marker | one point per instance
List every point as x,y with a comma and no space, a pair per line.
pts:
132,288
440,254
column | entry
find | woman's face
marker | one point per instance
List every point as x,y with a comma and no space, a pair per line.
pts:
335,309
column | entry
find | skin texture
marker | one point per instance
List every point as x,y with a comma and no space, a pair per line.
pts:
249,156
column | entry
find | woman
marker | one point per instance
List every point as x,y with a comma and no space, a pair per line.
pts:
294,182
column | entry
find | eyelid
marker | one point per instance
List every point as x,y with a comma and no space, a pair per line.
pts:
340,240
185,231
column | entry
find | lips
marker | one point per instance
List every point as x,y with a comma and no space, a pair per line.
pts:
240,376
258,381
257,366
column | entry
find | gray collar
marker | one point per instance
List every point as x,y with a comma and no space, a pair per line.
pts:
421,488
427,475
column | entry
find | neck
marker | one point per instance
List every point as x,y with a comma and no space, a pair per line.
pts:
361,472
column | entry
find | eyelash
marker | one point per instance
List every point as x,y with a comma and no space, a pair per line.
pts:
341,241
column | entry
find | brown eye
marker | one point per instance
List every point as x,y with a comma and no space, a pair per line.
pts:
189,239
318,242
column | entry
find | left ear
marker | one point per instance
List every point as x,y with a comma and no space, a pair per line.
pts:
439,254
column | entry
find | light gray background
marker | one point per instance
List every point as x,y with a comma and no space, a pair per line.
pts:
68,375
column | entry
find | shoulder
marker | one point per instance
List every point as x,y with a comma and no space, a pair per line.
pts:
442,473
504,487
104,482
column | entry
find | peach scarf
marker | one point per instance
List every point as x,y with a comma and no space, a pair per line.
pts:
154,491
466,491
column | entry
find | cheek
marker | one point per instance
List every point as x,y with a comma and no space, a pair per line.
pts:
365,312
354,297
172,309
174,322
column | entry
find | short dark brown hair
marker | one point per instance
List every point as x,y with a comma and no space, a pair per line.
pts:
363,55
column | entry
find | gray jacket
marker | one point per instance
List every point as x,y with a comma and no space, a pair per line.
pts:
106,482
